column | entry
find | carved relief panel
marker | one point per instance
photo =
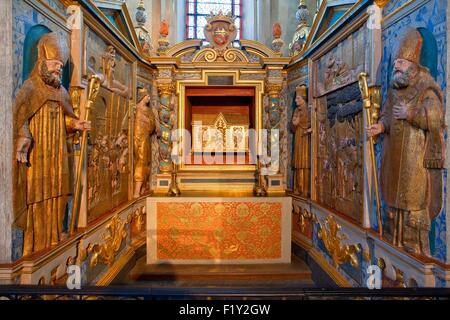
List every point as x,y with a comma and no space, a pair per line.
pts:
341,65
108,153
339,145
338,167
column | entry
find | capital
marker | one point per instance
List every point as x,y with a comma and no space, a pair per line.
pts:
166,88
273,89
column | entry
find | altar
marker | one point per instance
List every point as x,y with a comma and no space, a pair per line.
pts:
219,230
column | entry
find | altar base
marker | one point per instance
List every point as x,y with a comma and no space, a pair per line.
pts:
219,230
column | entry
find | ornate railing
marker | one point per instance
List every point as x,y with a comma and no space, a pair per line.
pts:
161,293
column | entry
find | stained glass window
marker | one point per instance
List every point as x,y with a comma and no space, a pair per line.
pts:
198,10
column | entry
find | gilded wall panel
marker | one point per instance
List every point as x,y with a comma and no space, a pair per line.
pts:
339,159
109,145
341,65
338,174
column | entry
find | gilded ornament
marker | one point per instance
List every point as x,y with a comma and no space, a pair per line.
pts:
75,96
367,103
366,255
382,3
166,88
165,124
106,252
210,55
93,89
107,75
333,243
234,55
381,264
399,278
174,190
220,32
273,89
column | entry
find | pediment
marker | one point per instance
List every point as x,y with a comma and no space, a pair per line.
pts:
329,13
118,15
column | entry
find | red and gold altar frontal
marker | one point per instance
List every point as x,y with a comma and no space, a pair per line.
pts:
218,230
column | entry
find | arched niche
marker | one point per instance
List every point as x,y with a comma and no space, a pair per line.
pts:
30,53
429,53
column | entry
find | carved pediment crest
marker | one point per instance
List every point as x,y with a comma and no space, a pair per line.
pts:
220,31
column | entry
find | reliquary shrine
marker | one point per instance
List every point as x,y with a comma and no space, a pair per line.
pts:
204,140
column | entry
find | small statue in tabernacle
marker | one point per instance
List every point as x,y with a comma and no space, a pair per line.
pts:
413,148
108,70
43,116
300,123
144,126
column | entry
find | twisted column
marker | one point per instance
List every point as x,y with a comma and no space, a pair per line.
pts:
274,113
166,122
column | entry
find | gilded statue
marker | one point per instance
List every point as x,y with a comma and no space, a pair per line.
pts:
43,116
107,74
301,125
109,67
413,148
144,126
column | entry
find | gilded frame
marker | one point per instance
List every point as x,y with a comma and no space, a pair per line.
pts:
203,81
312,71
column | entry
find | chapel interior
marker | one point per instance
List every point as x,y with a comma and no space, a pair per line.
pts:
235,147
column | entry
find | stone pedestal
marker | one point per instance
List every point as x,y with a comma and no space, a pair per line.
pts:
163,182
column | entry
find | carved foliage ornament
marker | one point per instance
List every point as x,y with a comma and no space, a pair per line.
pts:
273,89
106,252
333,243
229,55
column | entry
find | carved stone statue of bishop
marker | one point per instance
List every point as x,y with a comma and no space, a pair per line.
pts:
43,116
413,148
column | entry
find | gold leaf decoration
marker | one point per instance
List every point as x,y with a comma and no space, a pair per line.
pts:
381,3
333,243
106,252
